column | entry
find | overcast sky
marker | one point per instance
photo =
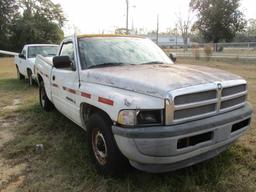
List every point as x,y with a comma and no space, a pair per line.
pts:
96,16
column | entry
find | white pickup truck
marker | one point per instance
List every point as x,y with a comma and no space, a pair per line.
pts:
25,60
139,107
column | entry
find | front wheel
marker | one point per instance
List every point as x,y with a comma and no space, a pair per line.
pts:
30,78
105,153
19,75
45,103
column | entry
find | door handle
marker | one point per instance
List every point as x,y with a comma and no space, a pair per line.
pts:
53,77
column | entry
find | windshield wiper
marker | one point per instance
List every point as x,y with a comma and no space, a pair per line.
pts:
152,62
106,65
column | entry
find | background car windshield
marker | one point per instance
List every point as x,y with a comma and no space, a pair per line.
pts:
105,50
42,50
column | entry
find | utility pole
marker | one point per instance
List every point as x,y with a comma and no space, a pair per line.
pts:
157,29
133,31
127,17
176,36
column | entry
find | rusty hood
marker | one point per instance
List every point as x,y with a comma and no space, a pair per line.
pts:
155,80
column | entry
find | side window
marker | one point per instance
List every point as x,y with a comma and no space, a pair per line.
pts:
23,52
68,50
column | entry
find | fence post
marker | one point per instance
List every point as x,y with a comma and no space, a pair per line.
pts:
215,47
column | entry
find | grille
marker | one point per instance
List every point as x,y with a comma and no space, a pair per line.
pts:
205,103
233,90
185,113
233,96
195,97
232,102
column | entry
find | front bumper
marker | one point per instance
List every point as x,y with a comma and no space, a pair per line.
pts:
156,149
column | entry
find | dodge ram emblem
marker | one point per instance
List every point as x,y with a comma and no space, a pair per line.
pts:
219,86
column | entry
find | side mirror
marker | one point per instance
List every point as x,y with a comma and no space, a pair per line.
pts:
61,62
22,56
173,57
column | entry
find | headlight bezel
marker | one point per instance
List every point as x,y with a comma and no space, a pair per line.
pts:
136,112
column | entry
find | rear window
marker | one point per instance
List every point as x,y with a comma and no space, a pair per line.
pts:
46,51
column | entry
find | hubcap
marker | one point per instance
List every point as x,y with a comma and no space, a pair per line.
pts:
99,146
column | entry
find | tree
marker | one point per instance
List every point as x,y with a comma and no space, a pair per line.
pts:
218,19
44,8
39,22
8,11
251,28
34,29
184,26
249,34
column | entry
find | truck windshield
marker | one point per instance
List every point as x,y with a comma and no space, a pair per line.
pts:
109,51
45,51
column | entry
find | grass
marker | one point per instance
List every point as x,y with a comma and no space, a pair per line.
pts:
64,163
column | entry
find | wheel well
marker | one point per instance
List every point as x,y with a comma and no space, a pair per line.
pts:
17,67
40,79
86,110
29,70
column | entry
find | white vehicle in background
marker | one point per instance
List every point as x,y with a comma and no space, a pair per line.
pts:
25,60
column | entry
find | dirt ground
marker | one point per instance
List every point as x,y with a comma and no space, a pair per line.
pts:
10,175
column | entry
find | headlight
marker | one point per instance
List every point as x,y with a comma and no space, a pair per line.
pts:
150,117
140,117
127,117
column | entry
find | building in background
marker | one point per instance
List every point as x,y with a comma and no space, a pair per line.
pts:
168,41
164,40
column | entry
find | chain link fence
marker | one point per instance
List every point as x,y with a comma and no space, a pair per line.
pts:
238,51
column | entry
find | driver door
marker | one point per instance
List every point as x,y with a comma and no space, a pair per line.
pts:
23,62
65,84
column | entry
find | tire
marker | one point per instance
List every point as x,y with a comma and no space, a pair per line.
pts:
45,103
19,75
104,152
30,79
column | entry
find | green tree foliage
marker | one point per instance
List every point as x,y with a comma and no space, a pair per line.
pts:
8,11
249,34
218,19
251,29
38,21
43,8
34,29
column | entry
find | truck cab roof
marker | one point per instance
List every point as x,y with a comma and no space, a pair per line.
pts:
36,45
107,35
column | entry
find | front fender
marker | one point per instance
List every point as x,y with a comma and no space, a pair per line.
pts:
117,99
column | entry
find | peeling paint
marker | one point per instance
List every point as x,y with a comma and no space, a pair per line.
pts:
155,80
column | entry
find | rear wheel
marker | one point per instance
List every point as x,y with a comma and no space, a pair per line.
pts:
30,79
45,103
105,153
19,75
